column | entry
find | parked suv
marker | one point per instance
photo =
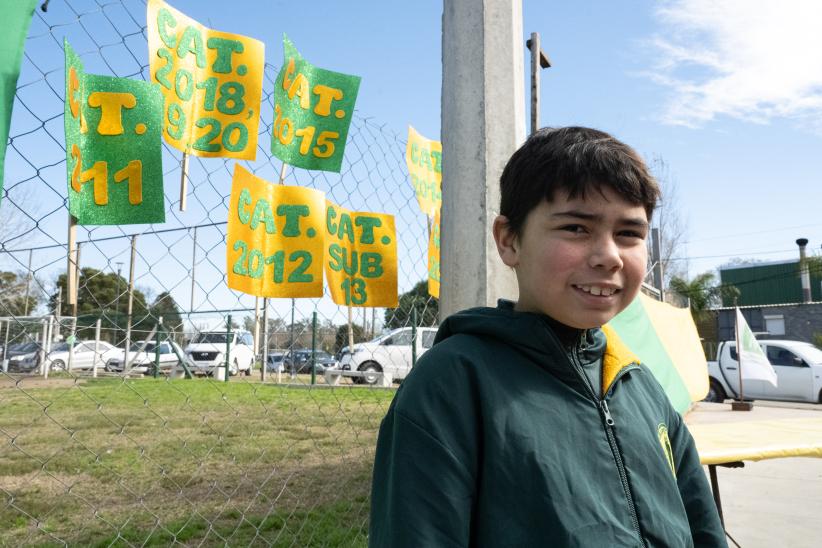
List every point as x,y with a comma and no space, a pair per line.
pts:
389,353
207,351
301,361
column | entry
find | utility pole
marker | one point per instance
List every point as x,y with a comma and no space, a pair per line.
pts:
538,60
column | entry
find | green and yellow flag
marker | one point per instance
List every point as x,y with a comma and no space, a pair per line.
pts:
424,160
212,84
312,113
17,17
361,257
113,149
666,341
275,238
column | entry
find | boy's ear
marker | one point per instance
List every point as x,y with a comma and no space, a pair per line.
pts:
506,241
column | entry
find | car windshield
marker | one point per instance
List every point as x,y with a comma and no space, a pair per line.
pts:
811,353
25,348
276,357
212,338
135,347
60,347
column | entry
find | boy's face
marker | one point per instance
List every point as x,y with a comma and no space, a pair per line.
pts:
579,261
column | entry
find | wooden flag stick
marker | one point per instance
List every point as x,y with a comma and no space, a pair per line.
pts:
71,268
282,173
184,182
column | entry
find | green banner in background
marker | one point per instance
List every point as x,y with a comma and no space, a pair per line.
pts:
113,148
312,113
17,16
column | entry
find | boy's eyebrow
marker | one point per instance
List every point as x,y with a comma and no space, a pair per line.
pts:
574,214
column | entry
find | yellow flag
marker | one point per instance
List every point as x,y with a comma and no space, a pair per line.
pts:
424,159
434,257
275,238
361,257
212,83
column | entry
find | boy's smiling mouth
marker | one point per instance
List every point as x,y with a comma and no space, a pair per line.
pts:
597,290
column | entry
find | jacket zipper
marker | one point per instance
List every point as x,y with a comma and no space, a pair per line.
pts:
608,423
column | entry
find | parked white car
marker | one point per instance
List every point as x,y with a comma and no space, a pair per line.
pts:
141,361
207,352
84,355
798,367
389,353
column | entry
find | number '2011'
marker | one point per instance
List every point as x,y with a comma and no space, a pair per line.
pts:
252,264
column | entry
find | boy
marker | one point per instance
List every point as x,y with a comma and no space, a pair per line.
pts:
530,424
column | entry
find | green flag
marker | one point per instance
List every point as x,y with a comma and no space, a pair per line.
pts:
312,113
17,16
113,148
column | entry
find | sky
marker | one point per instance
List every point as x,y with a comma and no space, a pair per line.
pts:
726,93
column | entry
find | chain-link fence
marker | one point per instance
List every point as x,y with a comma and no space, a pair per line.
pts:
118,423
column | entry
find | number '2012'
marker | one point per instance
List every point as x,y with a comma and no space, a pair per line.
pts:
252,264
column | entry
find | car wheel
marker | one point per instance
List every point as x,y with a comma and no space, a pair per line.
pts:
250,367
371,372
715,392
58,365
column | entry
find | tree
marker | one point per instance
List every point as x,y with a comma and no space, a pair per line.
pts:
341,337
427,308
100,295
13,301
165,305
702,292
672,226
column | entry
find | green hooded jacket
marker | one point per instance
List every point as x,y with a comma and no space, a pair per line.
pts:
498,439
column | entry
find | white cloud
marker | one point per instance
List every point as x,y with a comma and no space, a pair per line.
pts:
749,59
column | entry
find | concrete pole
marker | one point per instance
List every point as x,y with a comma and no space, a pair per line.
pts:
483,123
804,274
656,257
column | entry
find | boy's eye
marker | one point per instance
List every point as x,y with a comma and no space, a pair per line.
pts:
576,229
632,234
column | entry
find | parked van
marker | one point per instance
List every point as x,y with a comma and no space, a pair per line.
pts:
390,352
207,352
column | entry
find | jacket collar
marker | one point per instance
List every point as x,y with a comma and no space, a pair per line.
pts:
617,357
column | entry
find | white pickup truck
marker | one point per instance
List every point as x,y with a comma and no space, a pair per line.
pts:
798,367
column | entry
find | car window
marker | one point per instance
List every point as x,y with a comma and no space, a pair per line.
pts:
428,338
248,339
402,338
782,356
165,348
84,347
213,338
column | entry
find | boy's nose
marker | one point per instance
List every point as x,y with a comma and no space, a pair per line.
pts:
605,255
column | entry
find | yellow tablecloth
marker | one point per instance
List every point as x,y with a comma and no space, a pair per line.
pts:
724,436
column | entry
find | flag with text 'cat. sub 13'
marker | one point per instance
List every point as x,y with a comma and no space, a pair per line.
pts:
361,257
113,148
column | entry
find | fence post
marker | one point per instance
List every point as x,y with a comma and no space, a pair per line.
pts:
42,350
414,333
6,348
157,348
265,340
314,347
72,338
96,348
227,347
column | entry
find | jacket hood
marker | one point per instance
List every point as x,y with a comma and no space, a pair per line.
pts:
534,336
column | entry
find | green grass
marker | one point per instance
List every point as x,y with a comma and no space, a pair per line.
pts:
109,462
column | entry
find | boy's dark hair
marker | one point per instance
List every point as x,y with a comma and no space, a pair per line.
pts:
576,160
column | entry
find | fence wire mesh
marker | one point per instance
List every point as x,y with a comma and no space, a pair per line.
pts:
99,446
